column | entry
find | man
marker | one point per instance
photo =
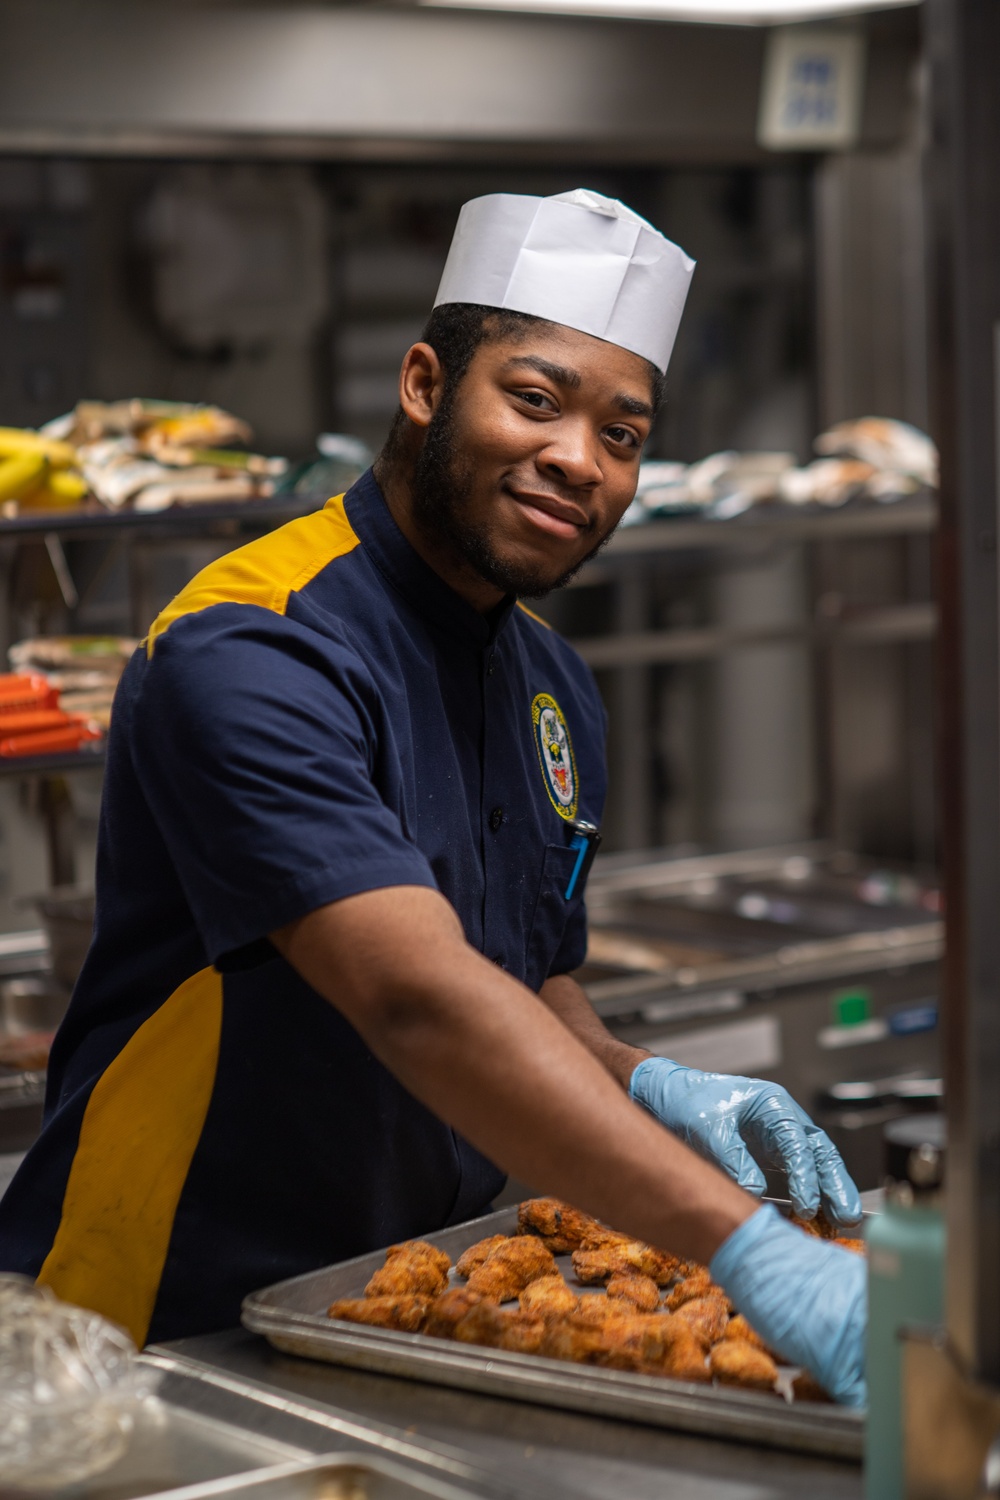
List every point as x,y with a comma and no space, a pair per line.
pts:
329,998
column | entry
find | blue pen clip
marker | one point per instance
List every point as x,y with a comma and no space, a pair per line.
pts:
586,841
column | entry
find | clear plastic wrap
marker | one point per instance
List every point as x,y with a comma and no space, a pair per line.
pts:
69,1386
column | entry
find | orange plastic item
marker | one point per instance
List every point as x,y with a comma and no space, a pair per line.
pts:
49,741
33,721
25,690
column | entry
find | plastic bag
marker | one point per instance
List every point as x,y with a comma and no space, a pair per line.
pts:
70,1383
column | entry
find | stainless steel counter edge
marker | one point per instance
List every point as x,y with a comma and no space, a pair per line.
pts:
315,1427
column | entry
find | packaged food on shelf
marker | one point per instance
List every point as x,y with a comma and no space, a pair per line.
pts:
72,680
147,455
872,459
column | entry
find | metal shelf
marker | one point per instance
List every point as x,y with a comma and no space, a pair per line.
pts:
892,624
178,520
917,516
52,765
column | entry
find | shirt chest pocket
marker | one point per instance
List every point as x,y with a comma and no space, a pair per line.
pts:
552,912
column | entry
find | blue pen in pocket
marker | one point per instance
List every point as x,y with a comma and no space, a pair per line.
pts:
586,841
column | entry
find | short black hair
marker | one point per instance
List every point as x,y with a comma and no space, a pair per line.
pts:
455,330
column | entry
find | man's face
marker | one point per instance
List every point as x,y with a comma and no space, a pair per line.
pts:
530,464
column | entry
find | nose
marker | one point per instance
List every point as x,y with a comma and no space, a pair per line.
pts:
571,455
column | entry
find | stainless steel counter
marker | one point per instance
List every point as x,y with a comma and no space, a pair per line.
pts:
500,1448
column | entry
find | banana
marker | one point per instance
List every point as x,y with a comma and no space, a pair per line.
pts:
22,473
17,440
70,485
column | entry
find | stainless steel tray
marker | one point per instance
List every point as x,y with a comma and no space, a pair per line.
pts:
347,1476
292,1317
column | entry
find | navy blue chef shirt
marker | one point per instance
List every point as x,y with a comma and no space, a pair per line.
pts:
315,715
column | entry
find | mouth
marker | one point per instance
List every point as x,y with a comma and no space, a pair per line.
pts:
556,517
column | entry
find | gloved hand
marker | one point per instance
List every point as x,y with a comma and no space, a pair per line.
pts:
806,1298
727,1118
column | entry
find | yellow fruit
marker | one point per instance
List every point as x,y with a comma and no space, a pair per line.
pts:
17,440
69,484
21,473
47,497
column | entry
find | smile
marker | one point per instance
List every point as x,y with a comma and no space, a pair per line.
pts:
557,517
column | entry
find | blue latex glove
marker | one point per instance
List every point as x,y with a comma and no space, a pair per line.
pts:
805,1297
732,1120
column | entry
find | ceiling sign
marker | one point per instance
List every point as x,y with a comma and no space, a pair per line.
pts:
812,89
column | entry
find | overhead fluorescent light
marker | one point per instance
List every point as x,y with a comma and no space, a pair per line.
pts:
723,12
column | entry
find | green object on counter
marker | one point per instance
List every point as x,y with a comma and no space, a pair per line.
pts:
852,1007
906,1250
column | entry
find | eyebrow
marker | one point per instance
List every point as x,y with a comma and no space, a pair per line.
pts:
571,380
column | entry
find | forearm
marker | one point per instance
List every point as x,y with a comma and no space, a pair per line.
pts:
477,1048
566,999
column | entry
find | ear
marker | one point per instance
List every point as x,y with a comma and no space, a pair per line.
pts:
421,384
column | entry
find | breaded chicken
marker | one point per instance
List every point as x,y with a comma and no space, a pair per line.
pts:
736,1362
819,1226
511,1267
471,1259
642,1341
686,1360
634,1288
549,1297
806,1387
406,1313
706,1317
598,1309
446,1311
593,1267
738,1328
411,1267
561,1227
499,1328
856,1247
698,1284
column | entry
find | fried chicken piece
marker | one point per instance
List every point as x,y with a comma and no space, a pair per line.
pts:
447,1311
500,1328
806,1387
737,1362
819,1226
572,1340
511,1267
706,1317
739,1329
560,1227
686,1360
549,1297
411,1267
593,1267
632,1287
643,1341
405,1313
698,1284
470,1260
856,1247
597,1309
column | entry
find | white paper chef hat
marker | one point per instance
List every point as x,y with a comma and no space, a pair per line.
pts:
578,259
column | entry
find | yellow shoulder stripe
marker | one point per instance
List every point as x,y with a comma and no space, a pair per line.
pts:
140,1129
266,571
532,616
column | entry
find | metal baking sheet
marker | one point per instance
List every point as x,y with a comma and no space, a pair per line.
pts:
347,1476
292,1317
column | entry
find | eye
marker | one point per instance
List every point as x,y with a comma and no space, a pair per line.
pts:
623,437
539,400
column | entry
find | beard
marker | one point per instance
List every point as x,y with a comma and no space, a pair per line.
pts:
441,490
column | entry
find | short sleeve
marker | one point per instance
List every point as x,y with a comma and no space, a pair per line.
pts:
258,750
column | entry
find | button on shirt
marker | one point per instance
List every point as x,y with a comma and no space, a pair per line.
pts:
316,715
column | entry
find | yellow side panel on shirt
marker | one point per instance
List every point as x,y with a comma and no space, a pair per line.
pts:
265,572
139,1133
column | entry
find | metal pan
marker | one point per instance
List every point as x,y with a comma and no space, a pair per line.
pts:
292,1317
344,1477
